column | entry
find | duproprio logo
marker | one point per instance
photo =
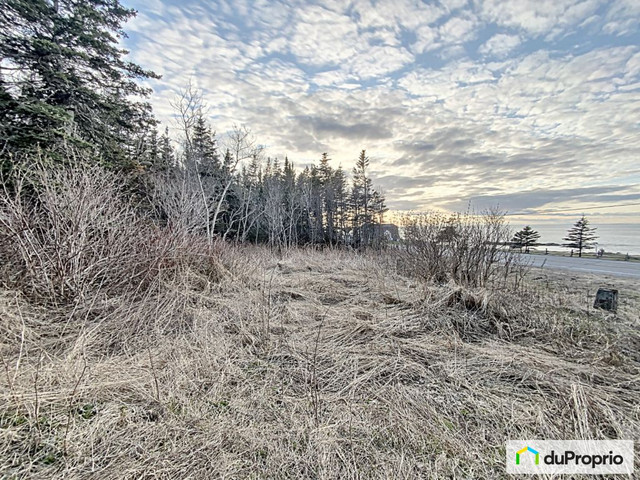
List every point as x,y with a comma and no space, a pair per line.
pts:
527,449
570,456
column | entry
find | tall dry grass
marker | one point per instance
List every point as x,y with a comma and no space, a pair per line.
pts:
304,364
71,242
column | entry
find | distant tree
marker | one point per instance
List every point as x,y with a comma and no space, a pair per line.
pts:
273,194
328,197
149,156
65,82
341,201
580,236
366,206
360,197
203,148
526,238
291,203
378,209
241,146
167,158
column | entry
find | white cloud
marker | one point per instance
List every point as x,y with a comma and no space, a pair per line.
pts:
310,78
537,17
323,37
622,17
458,30
408,14
500,45
427,39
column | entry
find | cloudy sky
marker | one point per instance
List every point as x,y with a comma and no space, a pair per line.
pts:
533,105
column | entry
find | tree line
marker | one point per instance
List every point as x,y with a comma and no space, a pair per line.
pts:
234,193
68,94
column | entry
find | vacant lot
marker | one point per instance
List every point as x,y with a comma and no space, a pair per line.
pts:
312,365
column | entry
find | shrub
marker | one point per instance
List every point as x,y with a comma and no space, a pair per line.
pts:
466,249
66,234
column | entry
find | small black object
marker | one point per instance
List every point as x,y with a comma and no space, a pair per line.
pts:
607,299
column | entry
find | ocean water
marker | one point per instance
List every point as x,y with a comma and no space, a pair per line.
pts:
613,237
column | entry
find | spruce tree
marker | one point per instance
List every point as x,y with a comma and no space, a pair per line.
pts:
327,194
580,236
360,198
203,152
166,153
341,204
525,238
64,81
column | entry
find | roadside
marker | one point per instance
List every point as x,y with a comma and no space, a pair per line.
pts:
619,257
595,266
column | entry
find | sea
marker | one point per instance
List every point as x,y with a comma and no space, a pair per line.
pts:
613,237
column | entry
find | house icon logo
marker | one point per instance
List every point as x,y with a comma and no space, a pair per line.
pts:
527,449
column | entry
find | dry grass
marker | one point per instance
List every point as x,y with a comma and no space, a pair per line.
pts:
313,365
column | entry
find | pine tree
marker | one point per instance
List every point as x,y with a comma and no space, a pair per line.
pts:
64,81
274,212
360,198
306,189
378,209
148,152
250,198
341,205
167,158
580,236
525,238
203,151
327,193
315,205
290,203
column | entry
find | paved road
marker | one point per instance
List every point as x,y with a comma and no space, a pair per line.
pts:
587,265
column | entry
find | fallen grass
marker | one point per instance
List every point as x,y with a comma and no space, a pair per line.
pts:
311,365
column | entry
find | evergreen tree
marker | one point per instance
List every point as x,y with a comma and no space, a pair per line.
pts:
341,204
580,236
203,149
315,205
250,198
306,224
274,212
378,209
167,158
360,198
327,194
525,238
64,81
153,149
291,202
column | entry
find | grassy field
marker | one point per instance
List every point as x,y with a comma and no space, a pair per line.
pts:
312,365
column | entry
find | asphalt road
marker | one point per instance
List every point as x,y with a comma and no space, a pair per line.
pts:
587,265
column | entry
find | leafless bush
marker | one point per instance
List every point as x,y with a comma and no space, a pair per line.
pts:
466,249
67,234
178,201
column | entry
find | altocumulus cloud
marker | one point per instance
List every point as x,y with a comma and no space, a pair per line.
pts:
524,102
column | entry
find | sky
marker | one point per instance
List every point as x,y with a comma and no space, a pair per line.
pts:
529,105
